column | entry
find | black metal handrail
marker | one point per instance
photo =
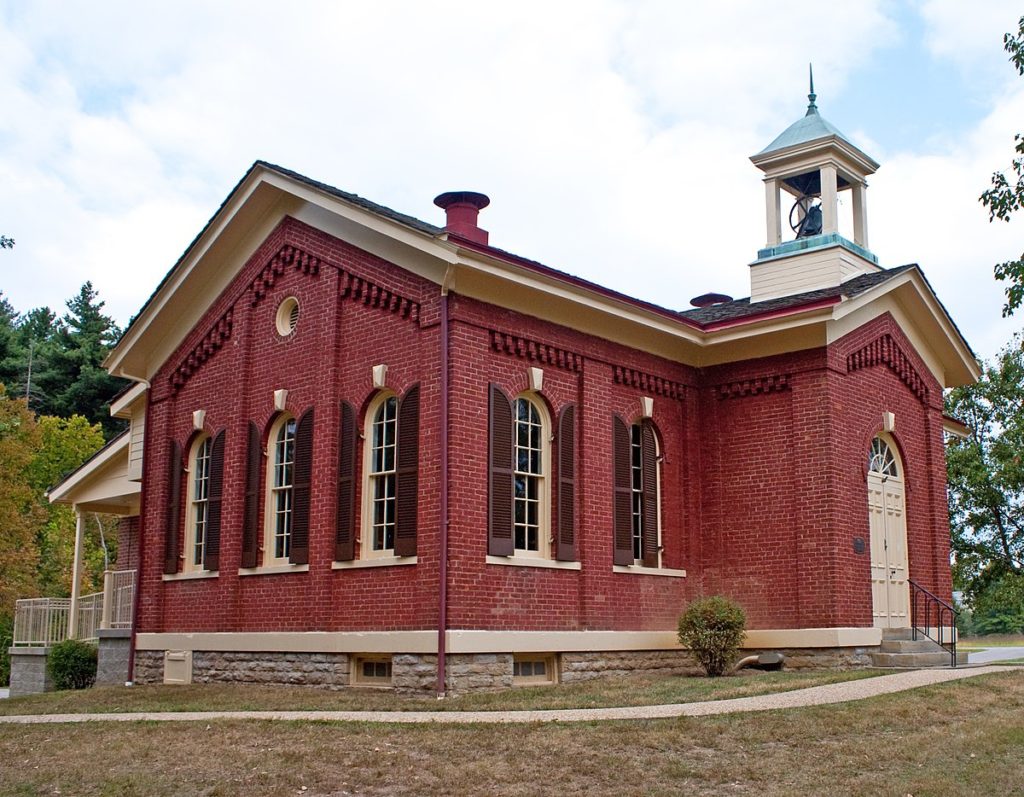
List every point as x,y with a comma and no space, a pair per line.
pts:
933,605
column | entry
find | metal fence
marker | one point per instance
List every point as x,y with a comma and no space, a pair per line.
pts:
41,622
118,598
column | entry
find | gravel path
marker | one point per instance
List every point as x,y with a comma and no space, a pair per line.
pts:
813,696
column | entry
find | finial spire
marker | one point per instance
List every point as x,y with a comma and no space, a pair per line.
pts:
811,107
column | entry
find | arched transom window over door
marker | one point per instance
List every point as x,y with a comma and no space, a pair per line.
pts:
888,526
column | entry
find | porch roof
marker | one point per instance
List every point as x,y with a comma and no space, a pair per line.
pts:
101,484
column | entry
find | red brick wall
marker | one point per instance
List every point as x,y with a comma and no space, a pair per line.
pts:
127,543
762,471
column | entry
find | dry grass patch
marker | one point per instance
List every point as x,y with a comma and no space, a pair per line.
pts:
958,738
991,641
631,691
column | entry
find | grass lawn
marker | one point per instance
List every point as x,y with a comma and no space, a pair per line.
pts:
590,694
964,737
991,641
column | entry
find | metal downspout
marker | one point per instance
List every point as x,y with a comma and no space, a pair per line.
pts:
442,614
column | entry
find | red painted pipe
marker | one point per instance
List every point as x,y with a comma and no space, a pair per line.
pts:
442,612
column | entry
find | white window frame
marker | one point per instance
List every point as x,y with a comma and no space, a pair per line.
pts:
549,677
271,505
635,432
357,678
370,479
543,478
197,507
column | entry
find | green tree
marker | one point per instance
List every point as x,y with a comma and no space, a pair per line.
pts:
20,513
986,482
36,330
65,443
1006,196
71,378
11,356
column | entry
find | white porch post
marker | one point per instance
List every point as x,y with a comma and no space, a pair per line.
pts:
773,210
76,574
829,199
860,215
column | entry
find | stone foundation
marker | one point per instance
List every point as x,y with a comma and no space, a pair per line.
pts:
415,673
112,657
822,658
586,665
28,671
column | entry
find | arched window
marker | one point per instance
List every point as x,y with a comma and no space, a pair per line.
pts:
382,475
390,478
198,503
281,481
520,484
529,476
881,459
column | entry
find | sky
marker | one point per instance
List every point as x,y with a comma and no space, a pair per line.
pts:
613,137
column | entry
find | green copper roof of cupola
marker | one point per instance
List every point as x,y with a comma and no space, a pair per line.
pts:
811,127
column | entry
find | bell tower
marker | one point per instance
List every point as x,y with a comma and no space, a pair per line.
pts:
814,163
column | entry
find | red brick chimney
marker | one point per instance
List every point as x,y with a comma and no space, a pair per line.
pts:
462,209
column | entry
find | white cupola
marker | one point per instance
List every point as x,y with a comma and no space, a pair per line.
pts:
813,162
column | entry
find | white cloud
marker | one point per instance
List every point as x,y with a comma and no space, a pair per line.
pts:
612,137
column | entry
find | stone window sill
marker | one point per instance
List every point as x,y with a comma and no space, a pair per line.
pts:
637,570
380,561
191,576
522,561
272,570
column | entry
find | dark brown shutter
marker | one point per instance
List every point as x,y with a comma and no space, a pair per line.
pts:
211,550
407,472
649,460
251,524
500,486
567,485
623,509
344,536
298,551
172,541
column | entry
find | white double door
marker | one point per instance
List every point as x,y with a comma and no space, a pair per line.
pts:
889,588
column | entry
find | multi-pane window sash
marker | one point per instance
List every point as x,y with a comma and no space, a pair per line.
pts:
283,489
881,459
383,475
200,499
528,437
637,483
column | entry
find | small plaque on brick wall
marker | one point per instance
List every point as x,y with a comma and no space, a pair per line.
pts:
858,545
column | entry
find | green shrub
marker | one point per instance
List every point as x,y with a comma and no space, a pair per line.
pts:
72,664
6,640
713,629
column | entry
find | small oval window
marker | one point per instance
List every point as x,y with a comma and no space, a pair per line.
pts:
287,316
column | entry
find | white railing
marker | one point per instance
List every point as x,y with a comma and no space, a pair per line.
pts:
40,622
118,598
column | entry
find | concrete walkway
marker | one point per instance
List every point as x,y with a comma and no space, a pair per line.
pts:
995,654
813,696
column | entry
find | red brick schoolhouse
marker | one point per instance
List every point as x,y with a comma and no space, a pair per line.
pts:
377,451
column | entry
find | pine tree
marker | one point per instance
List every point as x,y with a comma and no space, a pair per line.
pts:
71,378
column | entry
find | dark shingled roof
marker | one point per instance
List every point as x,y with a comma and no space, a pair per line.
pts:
355,199
740,308
701,317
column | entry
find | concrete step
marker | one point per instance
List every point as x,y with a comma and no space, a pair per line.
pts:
921,645
939,658
897,633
